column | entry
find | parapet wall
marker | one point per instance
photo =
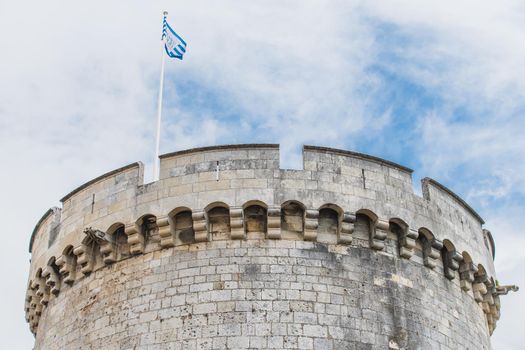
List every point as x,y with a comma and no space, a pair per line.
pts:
373,201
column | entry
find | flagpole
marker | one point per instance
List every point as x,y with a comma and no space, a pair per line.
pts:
159,111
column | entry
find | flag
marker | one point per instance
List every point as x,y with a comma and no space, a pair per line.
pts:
174,45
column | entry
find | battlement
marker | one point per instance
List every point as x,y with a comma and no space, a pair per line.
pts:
238,192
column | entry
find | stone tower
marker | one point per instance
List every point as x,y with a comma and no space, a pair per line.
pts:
228,251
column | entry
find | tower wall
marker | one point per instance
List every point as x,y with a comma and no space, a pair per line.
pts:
341,254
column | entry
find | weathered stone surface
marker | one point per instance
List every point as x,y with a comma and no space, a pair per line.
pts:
340,255
298,291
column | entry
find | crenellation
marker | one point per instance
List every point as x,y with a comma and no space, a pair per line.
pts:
248,244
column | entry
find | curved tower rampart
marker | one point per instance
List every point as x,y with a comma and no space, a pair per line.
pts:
227,250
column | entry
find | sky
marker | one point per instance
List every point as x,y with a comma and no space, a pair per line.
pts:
437,86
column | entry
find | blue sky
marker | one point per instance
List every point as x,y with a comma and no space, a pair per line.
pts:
438,87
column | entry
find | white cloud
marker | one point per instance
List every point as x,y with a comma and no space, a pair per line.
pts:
470,56
469,51
492,150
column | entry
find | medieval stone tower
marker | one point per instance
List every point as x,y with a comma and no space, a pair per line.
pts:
228,251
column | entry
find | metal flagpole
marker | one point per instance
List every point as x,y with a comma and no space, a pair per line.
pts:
159,112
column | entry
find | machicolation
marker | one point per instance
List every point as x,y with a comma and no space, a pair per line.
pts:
228,251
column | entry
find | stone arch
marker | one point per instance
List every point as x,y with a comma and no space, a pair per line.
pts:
292,220
67,265
369,214
481,273
218,221
451,259
399,228
364,222
181,224
406,237
255,202
117,232
448,245
424,235
466,257
369,227
255,219
330,216
430,247
147,225
170,228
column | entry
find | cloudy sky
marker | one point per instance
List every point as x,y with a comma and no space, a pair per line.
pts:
438,87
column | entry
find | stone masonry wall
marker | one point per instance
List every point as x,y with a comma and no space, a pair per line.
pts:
263,294
370,262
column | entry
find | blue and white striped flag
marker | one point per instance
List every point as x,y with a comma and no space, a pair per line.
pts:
174,45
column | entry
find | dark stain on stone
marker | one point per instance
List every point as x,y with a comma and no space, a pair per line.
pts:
319,247
218,285
252,269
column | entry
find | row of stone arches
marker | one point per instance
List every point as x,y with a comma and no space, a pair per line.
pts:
328,224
